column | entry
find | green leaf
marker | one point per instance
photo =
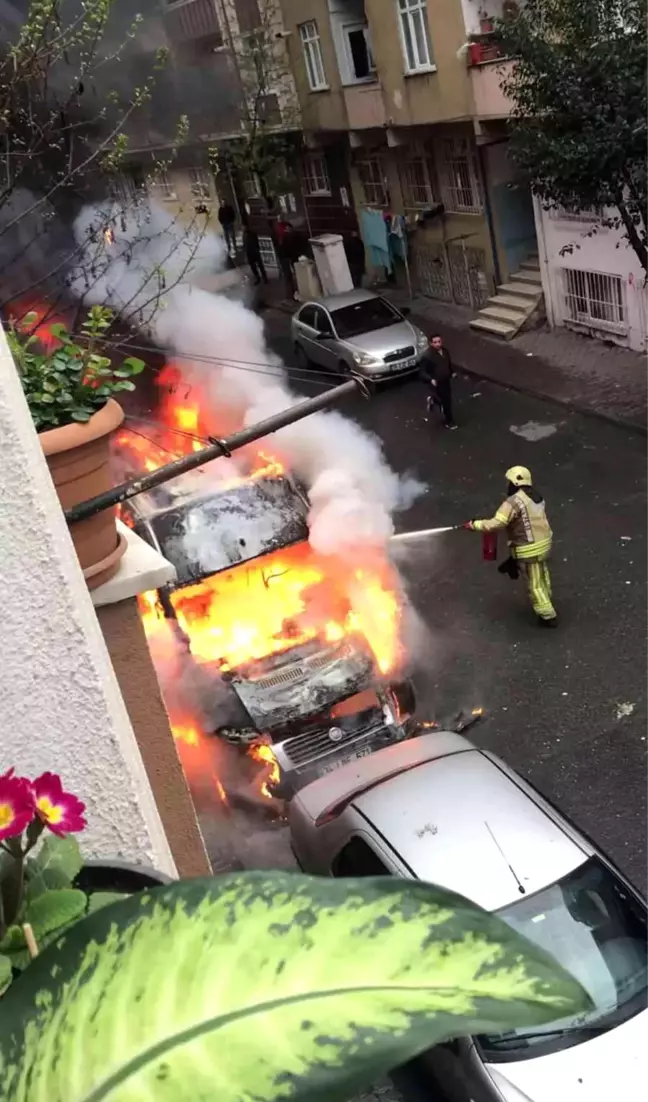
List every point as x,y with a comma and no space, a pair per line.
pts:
134,365
266,986
55,909
80,415
5,973
58,855
59,331
98,900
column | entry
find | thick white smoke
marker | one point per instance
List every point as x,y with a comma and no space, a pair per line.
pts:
352,490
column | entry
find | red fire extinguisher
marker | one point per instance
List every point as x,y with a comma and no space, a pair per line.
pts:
489,546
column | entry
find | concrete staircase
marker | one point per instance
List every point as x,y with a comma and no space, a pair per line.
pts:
506,312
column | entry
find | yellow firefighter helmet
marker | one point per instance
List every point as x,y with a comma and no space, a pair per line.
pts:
519,476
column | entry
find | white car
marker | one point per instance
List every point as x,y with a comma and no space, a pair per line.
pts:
436,808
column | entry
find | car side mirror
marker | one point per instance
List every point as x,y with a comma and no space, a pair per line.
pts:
406,311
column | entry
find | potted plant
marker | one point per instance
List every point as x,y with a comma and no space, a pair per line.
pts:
45,885
266,985
69,389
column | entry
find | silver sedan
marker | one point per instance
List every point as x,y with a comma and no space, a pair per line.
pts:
357,331
436,808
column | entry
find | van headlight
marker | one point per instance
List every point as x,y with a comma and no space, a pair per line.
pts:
421,341
364,359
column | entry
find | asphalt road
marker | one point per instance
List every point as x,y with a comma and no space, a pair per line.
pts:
567,708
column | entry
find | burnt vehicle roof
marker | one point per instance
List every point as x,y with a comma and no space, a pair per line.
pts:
205,531
302,681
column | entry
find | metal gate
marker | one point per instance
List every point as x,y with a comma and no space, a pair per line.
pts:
432,271
470,284
453,273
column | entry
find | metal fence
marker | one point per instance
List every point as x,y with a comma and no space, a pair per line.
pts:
452,273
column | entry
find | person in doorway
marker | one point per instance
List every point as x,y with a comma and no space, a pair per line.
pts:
252,251
227,219
524,517
436,369
355,254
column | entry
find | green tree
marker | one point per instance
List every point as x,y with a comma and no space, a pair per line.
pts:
578,125
73,81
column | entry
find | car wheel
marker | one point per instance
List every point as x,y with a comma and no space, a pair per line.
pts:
301,359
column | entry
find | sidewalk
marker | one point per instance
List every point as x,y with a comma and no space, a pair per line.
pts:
560,366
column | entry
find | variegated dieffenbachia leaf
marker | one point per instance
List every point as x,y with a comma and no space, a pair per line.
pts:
265,986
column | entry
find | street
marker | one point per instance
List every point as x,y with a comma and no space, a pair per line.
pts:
567,707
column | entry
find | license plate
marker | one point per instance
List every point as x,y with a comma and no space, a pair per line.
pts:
330,767
404,365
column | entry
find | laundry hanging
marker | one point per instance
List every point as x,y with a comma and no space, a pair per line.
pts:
375,237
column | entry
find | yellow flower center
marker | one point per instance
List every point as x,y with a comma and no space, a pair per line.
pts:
52,812
6,815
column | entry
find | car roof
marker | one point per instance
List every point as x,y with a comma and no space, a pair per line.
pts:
462,821
319,799
348,298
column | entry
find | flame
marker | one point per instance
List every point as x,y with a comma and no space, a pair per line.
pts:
41,327
268,605
109,236
262,753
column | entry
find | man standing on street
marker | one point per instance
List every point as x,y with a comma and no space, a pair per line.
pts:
529,534
436,369
253,255
227,219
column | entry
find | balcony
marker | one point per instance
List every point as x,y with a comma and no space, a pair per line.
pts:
365,106
486,74
189,20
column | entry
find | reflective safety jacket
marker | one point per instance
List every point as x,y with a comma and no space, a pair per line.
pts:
527,528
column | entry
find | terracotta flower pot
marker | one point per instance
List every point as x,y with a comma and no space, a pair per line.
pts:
78,457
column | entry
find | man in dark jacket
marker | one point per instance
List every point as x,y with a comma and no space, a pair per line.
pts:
253,255
227,219
436,370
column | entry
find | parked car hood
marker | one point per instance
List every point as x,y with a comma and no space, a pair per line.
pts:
608,1066
389,339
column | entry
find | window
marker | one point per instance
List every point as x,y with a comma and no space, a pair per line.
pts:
373,182
316,177
417,181
587,214
323,322
307,316
591,924
313,55
358,859
125,189
359,54
595,299
415,34
460,187
364,317
165,188
248,15
199,182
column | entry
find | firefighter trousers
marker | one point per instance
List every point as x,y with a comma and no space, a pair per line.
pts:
538,581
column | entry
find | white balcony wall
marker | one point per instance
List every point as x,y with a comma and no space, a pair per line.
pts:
605,295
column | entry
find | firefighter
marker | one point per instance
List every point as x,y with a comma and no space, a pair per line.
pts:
524,517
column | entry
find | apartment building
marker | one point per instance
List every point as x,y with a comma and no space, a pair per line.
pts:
387,84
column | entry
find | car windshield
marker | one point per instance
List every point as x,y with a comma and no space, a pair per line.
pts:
364,317
596,928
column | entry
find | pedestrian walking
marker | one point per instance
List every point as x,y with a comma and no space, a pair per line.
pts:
227,219
252,251
355,254
436,369
524,517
